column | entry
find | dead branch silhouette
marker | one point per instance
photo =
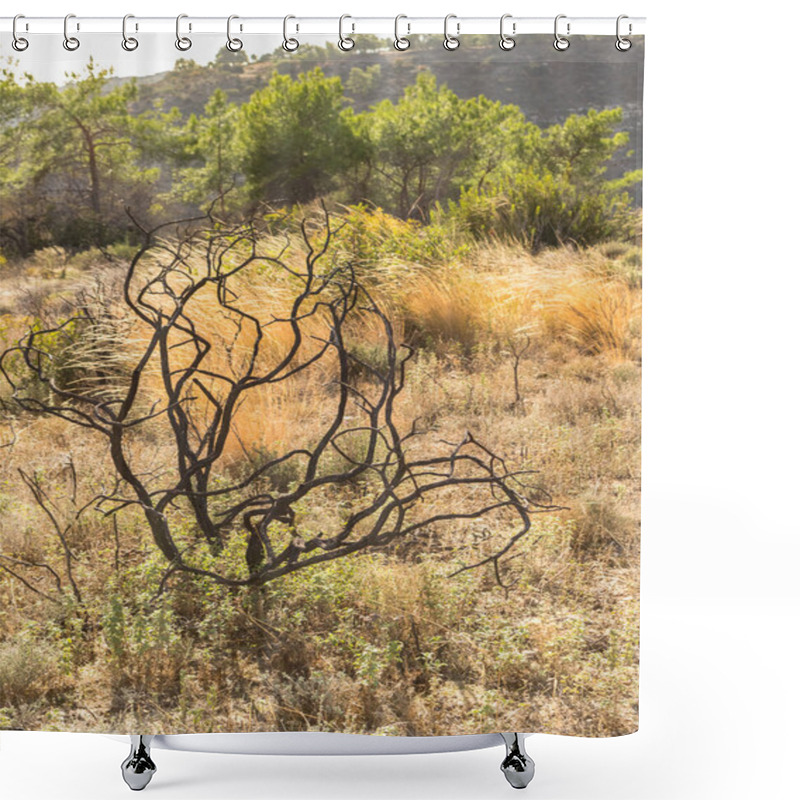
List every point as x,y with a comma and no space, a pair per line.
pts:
406,488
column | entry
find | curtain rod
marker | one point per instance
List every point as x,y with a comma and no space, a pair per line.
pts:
330,26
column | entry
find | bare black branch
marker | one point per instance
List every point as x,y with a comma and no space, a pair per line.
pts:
205,345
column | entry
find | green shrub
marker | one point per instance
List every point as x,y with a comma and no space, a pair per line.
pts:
366,357
146,650
545,210
560,192
372,238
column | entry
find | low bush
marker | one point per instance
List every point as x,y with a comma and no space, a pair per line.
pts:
545,210
374,239
29,669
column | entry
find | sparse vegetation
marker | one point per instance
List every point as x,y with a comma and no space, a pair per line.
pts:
382,642
524,319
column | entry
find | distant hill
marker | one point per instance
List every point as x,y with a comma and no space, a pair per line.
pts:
547,86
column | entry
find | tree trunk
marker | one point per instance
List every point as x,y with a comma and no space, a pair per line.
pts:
94,189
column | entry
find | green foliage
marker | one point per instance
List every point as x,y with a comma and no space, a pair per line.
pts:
561,195
230,60
73,158
369,43
211,141
413,139
161,140
363,85
295,137
144,648
431,142
186,65
372,238
152,632
543,210
371,661
71,167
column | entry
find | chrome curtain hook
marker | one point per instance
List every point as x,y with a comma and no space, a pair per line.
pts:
561,43
345,42
622,44
451,42
183,43
233,44
507,42
401,42
71,43
19,43
290,44
129,43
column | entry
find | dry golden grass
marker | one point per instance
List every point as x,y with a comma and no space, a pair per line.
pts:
386,642
599,315
446,307
500,294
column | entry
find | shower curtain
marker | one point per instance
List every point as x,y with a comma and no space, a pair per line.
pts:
319,385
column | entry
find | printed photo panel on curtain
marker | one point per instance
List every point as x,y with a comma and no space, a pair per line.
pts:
320,386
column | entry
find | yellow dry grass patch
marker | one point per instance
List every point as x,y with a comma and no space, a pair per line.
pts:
381,642
269,416
273,419
597,314
446,306
576,300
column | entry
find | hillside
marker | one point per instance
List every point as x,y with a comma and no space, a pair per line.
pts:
590,74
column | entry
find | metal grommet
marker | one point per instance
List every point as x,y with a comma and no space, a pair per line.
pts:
19,43
290,44
401,42
622,44
233,44
71,43
507,42
346,43
129,43
451,42
183,43
561,43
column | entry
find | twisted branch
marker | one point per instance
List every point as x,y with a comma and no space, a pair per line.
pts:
198,401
